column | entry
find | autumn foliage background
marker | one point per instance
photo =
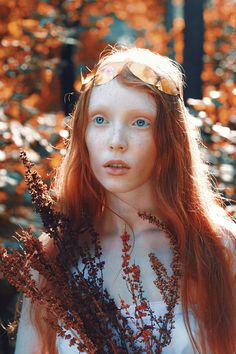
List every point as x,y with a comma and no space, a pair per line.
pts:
44,45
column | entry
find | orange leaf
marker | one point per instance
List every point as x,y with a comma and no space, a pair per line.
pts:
104,22
15,28
31,101
45,9
3,196
30,24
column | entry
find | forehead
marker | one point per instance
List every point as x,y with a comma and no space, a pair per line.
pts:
114,94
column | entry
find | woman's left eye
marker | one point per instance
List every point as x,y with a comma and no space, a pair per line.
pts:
99,120
141,123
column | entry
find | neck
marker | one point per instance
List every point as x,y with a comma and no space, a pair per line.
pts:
122,210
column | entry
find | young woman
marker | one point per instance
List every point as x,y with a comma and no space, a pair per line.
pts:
133,166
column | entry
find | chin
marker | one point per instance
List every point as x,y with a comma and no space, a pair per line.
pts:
120,187
117,190
122,184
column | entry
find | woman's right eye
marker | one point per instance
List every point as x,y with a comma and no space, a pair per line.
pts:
99,120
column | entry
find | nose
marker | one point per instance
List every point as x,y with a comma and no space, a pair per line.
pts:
118,141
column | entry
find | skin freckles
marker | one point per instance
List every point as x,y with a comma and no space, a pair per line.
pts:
121,127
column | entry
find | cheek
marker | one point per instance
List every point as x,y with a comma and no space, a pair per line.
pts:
147,156
147,150
90,146
94,146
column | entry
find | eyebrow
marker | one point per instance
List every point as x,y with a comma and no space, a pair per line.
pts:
96,108
133,111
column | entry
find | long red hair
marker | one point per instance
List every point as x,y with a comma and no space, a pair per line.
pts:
187,204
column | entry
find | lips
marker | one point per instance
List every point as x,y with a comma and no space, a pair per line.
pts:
116,167
116,164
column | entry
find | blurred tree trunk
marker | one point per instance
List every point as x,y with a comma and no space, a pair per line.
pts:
193,47
67,78
168,24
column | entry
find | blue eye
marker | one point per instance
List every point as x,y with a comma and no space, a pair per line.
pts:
141,123
99,120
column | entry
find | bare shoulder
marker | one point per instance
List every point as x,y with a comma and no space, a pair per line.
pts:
228,232
228,236
27,339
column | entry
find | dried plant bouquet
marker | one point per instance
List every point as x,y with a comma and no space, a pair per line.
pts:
80,308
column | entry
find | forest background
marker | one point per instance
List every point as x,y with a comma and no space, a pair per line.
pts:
44,46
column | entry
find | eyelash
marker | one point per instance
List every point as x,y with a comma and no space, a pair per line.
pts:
95,120
146,122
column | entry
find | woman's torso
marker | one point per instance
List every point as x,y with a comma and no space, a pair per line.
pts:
180,342
152,241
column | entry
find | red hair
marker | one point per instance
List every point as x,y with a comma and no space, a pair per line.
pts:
187,205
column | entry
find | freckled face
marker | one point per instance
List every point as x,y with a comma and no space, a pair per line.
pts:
120,136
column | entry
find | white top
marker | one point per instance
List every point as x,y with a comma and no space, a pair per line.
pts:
180,342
